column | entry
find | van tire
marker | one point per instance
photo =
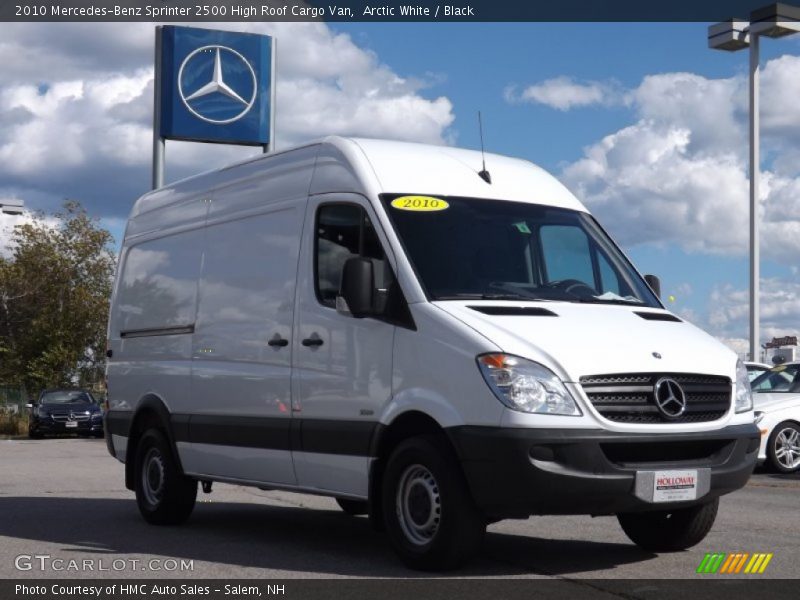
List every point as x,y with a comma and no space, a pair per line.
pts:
670,530
353,508
786,429
423,478
164,494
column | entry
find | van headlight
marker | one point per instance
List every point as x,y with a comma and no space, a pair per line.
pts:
744,396
526,386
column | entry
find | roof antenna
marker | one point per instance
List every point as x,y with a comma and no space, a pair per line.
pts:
484,174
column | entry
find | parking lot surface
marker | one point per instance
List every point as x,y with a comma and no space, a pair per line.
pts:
65,499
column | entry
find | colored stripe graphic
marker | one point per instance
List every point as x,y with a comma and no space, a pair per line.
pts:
731,560
711,562
741,562
758,564
723,563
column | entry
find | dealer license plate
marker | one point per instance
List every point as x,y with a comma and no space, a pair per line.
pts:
674,486
71,424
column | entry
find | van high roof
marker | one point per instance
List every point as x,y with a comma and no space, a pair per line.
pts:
371,166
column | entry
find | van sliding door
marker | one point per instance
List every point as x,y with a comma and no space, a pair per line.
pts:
241,367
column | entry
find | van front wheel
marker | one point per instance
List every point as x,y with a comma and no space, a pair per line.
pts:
670,530
164,494
430,516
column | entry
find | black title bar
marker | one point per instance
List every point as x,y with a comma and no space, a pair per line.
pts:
377,11
731,588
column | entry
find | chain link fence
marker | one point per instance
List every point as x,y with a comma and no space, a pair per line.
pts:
12,400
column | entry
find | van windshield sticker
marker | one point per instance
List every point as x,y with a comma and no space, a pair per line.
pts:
420,203
522,227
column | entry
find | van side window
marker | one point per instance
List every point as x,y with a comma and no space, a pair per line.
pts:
345,231
609,279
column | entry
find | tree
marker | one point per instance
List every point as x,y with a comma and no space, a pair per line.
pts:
54,294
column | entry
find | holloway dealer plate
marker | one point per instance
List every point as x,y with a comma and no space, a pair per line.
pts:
672,486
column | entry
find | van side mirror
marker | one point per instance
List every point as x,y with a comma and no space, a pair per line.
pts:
357,288
29,405
654,283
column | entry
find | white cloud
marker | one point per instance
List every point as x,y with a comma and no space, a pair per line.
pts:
780,307
9,222
565,93
739,345
76,107
678,174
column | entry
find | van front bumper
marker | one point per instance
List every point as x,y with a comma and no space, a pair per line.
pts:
521,472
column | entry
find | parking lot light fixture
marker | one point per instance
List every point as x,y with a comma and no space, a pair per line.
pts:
774,20
730,35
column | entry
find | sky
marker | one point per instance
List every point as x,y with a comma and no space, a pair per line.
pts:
645,124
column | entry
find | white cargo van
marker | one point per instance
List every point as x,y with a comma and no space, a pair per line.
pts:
376,322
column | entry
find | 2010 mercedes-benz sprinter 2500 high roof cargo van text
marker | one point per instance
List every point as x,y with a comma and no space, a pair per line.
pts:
375,322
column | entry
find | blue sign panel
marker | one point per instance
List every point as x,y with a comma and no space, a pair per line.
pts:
215,86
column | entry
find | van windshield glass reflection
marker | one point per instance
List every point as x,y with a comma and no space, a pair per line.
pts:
468,248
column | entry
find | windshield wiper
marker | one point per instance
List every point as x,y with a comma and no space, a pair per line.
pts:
508,296
620,301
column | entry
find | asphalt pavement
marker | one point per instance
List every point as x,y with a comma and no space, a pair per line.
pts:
65,499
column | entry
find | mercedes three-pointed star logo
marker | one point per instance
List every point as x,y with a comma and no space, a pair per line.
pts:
670,398
217,85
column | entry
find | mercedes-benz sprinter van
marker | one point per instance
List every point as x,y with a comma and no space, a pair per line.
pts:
434,345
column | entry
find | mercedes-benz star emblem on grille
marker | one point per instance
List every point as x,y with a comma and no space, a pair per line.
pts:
670,397
217,84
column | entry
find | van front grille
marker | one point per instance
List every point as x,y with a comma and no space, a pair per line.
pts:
630,398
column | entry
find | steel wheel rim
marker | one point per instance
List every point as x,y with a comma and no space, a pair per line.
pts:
787,448
419,505
153,475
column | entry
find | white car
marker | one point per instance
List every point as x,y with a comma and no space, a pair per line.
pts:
777,405
754,369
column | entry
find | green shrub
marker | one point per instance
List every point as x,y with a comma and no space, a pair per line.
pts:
13,424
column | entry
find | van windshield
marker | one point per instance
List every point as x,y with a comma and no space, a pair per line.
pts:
469,248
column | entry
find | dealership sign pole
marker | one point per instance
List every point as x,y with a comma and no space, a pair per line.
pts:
214,87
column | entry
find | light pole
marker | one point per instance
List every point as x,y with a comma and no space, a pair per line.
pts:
12,206
775,20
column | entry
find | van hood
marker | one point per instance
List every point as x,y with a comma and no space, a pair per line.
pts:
594,339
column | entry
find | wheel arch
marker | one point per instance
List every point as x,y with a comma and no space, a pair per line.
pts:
151,411
403,426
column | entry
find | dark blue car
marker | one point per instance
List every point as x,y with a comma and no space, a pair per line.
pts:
65,411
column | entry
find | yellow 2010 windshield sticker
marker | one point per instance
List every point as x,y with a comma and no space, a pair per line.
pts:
420,203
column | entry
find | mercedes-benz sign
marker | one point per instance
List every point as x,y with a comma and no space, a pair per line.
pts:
215,85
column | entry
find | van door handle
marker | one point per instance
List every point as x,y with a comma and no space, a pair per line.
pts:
312,341
278,342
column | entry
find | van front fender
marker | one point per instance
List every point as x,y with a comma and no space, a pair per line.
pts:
425,401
